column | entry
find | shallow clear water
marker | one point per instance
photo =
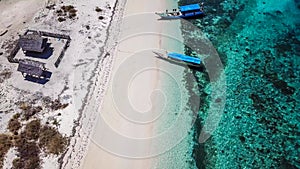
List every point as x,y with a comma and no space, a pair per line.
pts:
259,45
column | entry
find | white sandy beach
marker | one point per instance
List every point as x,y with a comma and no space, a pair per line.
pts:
114,54
140,32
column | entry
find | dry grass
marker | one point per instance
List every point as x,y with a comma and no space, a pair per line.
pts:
5,145
34,136
23,106
16,116
51,7
29,110
72,15
66,11
56,105
61,19
14,125
32,130
5,74
29,155
52,141
17,163
67,8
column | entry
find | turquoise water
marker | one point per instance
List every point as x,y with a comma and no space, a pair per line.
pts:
259,45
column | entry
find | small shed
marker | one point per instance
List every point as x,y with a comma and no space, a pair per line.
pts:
31,67
32,43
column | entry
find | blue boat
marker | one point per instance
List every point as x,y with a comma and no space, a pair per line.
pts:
177,57
185,12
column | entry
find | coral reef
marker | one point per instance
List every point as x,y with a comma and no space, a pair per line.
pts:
258,43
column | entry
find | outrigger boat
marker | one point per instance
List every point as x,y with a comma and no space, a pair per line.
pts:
180,58
185,12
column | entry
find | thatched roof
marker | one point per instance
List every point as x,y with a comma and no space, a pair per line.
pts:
32,42
31,67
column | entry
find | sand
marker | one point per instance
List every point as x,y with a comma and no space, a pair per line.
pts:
94,67
130,113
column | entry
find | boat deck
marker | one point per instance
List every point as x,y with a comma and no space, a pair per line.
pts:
184,58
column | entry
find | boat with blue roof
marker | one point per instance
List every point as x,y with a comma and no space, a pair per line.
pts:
184,12
179,58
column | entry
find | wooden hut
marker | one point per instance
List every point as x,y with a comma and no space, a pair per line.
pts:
32,43
31,68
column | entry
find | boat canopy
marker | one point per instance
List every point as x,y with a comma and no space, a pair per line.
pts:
192,7
184,58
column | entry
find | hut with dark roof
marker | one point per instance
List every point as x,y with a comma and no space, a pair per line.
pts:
31,68
32,43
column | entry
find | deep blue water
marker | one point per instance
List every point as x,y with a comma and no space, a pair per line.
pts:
259,45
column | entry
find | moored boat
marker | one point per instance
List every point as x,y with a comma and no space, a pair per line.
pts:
185,12
180,58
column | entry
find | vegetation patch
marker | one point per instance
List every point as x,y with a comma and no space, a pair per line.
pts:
29,110
56,105
28,155
51,6
5,74
32,130
14,125
98,9
65,12
5,145
61,19
35,137
52,141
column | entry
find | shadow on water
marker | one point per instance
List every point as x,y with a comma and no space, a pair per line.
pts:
44,55
46,74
